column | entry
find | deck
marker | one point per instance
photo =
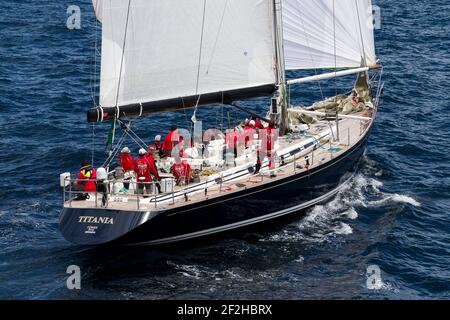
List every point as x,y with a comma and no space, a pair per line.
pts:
296,153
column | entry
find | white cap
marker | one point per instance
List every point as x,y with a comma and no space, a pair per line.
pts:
125,150
142,151
252,123
158,138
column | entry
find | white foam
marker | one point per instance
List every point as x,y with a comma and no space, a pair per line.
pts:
405,199
351,213
325,220
395,198
186,270
343,229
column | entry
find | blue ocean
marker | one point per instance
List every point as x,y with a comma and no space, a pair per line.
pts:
392,217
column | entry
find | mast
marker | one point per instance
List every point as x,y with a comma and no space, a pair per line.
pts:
279,108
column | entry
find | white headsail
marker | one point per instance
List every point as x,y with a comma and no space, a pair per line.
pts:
328,34
163,49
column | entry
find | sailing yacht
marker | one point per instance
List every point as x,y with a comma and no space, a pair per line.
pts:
168,55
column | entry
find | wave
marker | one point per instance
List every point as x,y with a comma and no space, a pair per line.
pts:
333,218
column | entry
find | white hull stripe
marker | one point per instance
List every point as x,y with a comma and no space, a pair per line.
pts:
244,222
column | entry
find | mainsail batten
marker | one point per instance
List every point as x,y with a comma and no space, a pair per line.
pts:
327,34
165,39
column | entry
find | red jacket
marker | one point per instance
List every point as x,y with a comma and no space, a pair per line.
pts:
126,161
270,136
87,172
181,169
258,124
248,135
168,141
153,170
231,139
144,169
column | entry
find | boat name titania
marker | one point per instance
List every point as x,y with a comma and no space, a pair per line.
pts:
92,219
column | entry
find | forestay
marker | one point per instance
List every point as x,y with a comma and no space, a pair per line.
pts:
328,34
163,49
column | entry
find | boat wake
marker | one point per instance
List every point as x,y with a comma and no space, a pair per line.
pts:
322,222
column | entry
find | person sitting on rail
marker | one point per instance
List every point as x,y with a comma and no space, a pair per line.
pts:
86,180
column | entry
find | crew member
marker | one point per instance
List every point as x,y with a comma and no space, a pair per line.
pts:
231,141
248,133
144,170
181,171
87,176
158,146
127,163
268,137
257,124
170,140
151,154
126,160
270,133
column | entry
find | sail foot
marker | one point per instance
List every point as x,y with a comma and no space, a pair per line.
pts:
99,114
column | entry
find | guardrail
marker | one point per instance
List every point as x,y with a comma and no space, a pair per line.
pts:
106,190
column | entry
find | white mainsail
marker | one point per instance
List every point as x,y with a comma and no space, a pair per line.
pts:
162,49
328,34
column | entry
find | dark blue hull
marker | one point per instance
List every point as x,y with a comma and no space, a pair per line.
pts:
280,198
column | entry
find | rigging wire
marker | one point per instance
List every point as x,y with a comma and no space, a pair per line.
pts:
141,142
144,146
96,53
184,109
310,53
114,152
133,135
93,144
217,37
360,33
193,118
123,54
94,86
201,47
335,51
